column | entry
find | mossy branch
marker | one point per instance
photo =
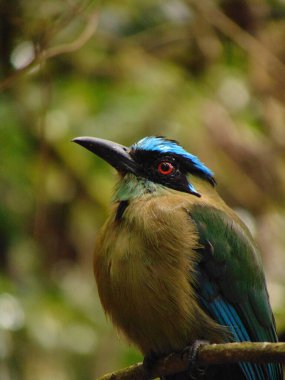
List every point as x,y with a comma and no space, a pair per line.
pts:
207,355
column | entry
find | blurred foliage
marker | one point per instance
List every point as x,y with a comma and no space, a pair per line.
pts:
208,73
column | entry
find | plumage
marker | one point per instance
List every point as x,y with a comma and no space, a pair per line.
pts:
173,263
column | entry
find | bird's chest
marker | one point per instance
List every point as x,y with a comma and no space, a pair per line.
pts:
142,269
136,276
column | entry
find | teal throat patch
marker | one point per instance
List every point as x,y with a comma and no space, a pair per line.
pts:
131,187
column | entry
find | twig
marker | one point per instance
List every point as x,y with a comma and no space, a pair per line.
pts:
207,355
215,17
52,52
81,40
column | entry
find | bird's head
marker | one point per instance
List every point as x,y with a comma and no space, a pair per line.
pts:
152,160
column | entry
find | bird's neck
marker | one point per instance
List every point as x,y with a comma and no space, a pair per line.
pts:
131,187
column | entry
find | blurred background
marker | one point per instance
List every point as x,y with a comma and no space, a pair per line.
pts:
210,74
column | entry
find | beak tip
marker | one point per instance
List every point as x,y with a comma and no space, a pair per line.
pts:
78,140
115,154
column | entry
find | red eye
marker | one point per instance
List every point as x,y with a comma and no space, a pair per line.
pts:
165,168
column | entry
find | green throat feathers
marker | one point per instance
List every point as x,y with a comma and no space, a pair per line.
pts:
131,187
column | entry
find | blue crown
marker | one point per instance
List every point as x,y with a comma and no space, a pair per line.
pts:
165,146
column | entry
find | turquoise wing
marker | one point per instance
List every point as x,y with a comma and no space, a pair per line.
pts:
231,285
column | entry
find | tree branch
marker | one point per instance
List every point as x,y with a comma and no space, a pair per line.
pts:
207,355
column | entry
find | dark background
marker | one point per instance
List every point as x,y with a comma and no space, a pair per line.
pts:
210,74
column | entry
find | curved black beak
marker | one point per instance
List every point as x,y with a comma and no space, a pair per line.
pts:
115,154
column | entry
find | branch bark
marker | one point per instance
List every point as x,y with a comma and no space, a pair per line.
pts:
207,355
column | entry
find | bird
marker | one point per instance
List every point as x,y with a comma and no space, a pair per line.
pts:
175,265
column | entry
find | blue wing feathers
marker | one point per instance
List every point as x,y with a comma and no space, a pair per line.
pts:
231,286
226,315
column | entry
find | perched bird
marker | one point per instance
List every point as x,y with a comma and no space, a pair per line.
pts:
173,263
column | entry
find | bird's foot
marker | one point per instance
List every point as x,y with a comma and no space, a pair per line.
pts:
149,362
195,370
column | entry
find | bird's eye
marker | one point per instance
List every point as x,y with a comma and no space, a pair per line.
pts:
165,168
